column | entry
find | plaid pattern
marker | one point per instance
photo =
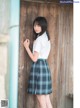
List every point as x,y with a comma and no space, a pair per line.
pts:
40,78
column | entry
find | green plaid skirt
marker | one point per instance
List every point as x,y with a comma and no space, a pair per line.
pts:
40,78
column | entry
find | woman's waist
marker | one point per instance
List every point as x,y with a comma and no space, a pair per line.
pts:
42,59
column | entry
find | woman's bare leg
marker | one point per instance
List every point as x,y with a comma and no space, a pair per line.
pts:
48,102
42,101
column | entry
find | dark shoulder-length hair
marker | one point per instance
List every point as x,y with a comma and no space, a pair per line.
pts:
41,21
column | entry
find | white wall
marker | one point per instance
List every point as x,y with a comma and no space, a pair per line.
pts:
4,39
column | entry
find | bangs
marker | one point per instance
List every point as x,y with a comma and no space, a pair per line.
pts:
36,23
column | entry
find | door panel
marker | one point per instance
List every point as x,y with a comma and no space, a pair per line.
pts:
59,19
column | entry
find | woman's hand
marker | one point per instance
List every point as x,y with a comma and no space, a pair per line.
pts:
26,43
34,56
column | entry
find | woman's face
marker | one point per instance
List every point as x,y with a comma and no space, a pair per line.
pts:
37,28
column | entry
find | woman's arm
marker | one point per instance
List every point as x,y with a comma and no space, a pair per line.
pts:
34,56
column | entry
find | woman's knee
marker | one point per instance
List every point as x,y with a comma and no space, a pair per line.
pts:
40,96
42,100
48,101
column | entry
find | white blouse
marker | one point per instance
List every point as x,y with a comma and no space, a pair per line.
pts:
42,46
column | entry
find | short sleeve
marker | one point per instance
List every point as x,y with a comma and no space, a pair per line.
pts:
37,46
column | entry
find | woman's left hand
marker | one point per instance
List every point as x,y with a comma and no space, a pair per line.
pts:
26,43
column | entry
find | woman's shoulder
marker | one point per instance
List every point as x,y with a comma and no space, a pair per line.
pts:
38,39
43,38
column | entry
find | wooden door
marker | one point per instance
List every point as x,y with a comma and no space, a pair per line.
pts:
60,18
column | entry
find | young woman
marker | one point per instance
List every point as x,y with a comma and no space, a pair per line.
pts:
39,82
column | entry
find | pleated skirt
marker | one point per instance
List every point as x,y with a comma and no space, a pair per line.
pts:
40,78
